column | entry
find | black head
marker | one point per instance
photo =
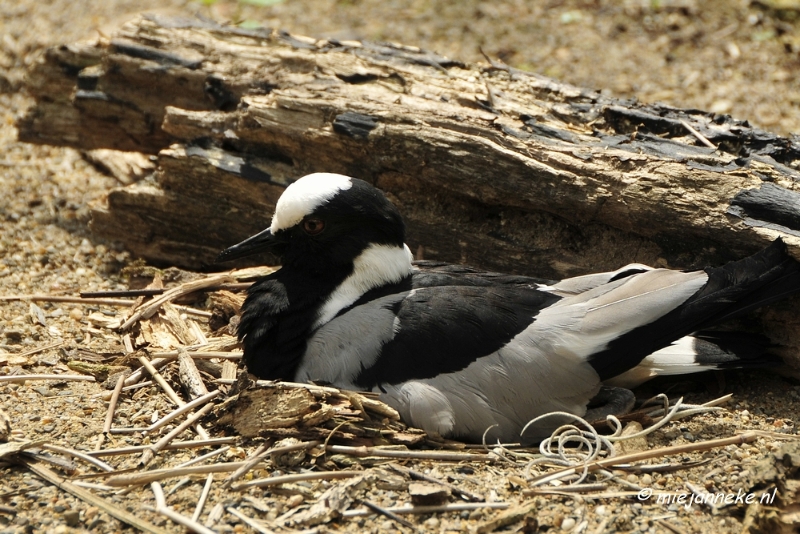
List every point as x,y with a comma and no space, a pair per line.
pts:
338,237
325,220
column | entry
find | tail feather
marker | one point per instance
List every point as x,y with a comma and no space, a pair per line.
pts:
702,351
730,291
761,279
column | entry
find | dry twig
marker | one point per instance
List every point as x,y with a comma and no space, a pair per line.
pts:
163,509
23,378
147,310
77,454
102,302
137,479
201,502
697,134
149,454
90,498
112,406
172,446
187,407
205,457
252,523
390,514
288,479
262,453
443,508
168,390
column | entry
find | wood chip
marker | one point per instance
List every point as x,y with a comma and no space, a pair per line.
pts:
5,426
508,517
190,376
126,167
257,410
427,493
634,444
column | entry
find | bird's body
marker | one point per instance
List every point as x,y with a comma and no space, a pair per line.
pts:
456,350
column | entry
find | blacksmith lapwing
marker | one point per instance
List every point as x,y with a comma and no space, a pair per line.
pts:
457,350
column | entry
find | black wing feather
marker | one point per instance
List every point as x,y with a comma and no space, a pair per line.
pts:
444,329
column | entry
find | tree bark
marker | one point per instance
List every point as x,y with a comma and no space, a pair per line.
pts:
490,166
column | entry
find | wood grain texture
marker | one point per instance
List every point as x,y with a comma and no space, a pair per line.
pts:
490,166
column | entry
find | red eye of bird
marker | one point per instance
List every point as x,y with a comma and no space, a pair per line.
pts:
313,226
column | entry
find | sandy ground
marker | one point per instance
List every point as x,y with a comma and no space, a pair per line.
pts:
726,56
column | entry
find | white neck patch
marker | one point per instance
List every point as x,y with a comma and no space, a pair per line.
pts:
305,195
377,265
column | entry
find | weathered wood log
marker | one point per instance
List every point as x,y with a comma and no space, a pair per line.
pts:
491,166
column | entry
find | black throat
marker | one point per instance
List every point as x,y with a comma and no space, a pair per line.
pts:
278,317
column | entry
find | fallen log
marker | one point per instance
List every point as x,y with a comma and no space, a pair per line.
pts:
490,165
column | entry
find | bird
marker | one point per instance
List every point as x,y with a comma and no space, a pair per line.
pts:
464,353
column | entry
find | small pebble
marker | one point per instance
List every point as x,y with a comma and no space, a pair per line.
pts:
568,524
72,518
672,434
431,523
294,501
90,513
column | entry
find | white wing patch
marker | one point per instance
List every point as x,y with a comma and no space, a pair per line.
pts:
424,405
305,195
676,359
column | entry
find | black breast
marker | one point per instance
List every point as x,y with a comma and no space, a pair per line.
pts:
277,320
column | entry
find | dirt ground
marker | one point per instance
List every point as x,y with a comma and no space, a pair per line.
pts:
736,57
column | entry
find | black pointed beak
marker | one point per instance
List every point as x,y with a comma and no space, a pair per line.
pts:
260,242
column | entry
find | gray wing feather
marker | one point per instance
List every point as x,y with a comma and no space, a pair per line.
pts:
545,367
585,323
580,284
339,349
